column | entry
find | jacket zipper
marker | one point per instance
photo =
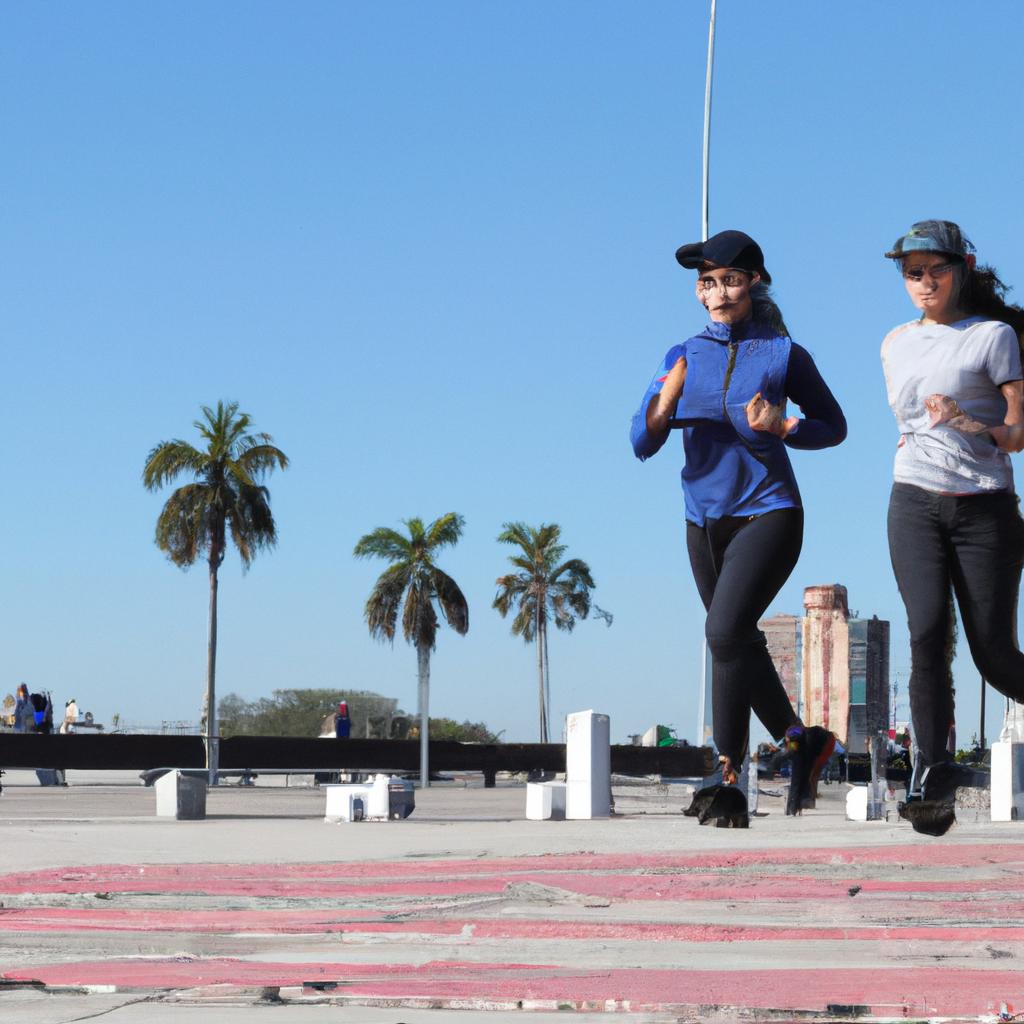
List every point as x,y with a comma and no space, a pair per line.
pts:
730,366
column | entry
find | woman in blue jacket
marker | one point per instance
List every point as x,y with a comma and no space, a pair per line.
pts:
727,388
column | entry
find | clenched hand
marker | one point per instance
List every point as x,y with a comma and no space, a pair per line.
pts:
771,419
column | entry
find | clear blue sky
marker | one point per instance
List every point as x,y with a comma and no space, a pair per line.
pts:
429,247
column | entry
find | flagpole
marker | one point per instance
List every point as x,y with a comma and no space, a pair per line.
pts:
707,121
704,732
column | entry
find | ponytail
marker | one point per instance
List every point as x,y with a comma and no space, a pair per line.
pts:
983,294
765,311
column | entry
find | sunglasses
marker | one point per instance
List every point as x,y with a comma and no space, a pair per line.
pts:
937,271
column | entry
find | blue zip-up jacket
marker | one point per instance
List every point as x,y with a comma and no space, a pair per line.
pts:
730,469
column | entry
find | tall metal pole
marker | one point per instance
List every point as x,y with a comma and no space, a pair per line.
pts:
707,121
705,668
981,741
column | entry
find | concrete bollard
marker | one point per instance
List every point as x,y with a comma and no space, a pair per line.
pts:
545,801
180,796
857,803
588,775
1007,781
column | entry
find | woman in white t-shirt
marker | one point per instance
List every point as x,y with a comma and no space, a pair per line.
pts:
954,383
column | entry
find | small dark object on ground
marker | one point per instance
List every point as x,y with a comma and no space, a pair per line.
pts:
929,817
721,806
853,890
935,812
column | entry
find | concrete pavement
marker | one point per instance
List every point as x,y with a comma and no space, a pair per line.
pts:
466,909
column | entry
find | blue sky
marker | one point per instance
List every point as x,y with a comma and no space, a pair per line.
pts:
429,247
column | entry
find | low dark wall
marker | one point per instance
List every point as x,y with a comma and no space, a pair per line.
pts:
18,750
125,752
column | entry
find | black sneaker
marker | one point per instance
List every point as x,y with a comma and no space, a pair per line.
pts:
809,748
721,806
934,813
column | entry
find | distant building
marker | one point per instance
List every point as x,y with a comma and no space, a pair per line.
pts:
784,634
835,668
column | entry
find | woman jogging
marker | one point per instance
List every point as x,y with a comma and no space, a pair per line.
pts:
954,383
726,388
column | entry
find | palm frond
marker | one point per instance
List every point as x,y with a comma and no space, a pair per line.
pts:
383,543
381,611
183,526
452,601
419,620
170,459
257,457
444,532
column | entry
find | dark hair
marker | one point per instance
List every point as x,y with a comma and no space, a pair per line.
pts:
983,294
764,309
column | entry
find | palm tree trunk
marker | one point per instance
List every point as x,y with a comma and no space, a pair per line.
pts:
539,640
212,739
547,677
423,660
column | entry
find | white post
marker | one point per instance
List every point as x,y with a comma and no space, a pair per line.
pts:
588,775
704,729
1007,780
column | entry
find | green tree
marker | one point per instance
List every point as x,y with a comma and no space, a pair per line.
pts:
302,712
545,588
224,501
462,732
414,585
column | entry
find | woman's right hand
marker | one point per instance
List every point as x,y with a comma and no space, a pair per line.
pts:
663,405
946,411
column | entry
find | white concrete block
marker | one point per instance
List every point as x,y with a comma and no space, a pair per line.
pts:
857,803
345,803
179,796
1007,781
587,765
383,798
545,801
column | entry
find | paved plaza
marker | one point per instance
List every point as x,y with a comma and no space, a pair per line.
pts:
466,911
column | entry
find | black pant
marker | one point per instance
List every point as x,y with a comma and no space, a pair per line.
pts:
739,565
974,544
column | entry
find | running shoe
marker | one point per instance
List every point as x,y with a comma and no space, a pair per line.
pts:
934,813
809,748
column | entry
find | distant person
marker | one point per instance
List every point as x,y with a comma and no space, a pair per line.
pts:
726,389
954,383
342,722
70,717
23,717
41,713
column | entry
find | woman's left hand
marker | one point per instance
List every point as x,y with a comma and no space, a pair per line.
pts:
768,418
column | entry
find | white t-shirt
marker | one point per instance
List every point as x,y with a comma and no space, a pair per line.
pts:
968,361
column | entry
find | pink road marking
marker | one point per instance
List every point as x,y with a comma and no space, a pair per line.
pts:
935,991
932,855
290,922
625,886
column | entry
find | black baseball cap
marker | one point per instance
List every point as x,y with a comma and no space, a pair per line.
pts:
726,249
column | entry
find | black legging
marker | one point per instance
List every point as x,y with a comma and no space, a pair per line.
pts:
739,564
974,544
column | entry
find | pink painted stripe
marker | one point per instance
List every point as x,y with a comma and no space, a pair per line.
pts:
935,991
931,855
288,922
631,886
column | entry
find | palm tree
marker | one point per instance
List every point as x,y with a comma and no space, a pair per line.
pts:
223,500
544,588
414,583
